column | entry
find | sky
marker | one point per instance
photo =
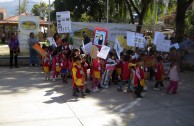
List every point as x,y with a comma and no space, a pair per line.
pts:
12,5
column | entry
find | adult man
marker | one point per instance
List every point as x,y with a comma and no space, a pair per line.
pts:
85,41
86,38
14,50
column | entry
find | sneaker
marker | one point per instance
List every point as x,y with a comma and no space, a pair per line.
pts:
54,79
94,89
119,89
157,89
97,89
30,65
162,88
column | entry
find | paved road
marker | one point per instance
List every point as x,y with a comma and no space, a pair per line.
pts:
26,99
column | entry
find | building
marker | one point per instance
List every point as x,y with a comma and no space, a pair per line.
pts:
2,13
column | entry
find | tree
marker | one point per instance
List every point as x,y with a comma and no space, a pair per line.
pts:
23,7
140,7
40,10
182,6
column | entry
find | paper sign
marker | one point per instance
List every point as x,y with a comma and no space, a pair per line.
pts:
100,36
135,39
52,41
130,39
139,41
40,51
158,37
163,46
176,45
104,52
86,48
118,48
63,22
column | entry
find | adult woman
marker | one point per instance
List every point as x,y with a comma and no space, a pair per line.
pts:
14,49
33,54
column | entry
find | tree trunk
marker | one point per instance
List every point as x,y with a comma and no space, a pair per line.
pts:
180,19
140,24
130,11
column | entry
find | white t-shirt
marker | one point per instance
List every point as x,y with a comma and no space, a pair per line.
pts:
174,74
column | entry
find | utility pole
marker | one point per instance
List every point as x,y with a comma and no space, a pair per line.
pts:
155,12
107,10
19,8
49,19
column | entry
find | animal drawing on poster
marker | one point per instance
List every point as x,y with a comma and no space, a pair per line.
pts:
99,38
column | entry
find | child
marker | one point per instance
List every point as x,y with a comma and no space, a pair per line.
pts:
46,66
96,67
84,65
174,78
124,72
138,76
78,77
55,64
159,73
64,67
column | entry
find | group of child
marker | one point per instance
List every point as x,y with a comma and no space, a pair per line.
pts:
130,69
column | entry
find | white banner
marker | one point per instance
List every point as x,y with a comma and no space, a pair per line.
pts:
63,22
112,34
158,37
163,46
26,25
104,52
52,41
118,48
87,47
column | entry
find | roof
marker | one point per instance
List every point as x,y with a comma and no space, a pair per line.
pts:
14,20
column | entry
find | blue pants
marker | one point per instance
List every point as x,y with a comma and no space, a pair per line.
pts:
33,56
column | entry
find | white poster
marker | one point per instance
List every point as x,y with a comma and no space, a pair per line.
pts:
176,45
163,46
135,39
130,38
87,47
118,48
63,22
26,25
52,41
158,37
139,41
104,52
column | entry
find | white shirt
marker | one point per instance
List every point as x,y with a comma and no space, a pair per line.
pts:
174,74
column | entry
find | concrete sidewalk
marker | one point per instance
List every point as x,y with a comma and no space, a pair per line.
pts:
26,99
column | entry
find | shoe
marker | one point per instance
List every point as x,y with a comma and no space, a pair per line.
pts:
162,88
16,66
75,95
94,89
119,89
157,89
87,91
54,79
97,89
139,97
11,67
129,91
